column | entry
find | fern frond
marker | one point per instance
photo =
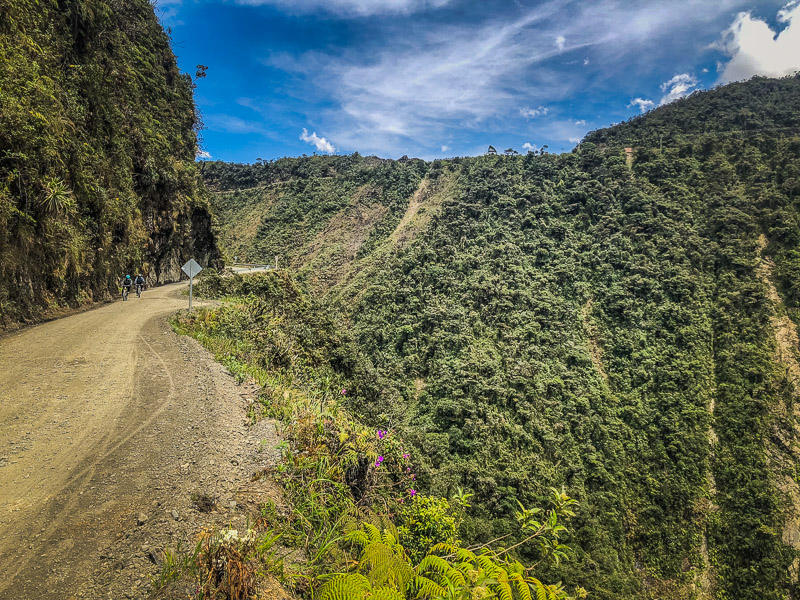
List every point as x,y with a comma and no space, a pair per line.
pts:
521,587
387,593
389,539
372,531
358,536
541,591
352,586
441,567
383,567
485,562
465,555
427,588
445,548
503,590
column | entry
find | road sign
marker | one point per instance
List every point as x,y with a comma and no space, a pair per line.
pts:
191,268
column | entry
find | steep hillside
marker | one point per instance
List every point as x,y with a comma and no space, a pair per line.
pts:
97,147
625,328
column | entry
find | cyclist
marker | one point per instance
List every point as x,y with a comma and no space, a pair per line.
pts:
139,283
127,282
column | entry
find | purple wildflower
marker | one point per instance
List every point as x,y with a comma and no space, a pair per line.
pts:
406,456
412,492
379,461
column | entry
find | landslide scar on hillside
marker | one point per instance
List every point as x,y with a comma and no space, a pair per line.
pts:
595,351
333,250
787,345
428,197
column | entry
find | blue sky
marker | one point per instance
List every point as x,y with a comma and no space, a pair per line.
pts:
441,78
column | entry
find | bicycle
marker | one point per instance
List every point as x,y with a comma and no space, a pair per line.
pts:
139,288
125,291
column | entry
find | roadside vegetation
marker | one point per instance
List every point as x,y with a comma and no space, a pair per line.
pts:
353,521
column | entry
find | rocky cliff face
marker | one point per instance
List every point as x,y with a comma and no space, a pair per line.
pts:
173,243
97,147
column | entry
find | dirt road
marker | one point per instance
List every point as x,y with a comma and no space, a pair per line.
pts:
109,423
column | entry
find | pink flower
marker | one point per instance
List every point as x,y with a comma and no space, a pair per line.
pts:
406,456
379,461
412,492
382,433
344,391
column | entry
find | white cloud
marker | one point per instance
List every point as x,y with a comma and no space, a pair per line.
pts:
560,41
354,8
531,113
679,86
756,50
320,143
575,140
421,81
642,104
530,147
585,62
203,155
580,122
445,148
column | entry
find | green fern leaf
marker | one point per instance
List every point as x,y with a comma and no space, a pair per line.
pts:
427,588
384,567
372,531
441,567
521,587
503,590
386,593
352,586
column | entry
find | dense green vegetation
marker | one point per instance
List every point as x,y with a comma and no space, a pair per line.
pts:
349,499
97,147
586,320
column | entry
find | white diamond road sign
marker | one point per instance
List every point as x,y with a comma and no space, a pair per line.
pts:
191,268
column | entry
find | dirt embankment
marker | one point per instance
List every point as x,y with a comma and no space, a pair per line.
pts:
110,424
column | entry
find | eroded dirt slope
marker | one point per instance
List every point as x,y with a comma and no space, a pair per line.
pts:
109,423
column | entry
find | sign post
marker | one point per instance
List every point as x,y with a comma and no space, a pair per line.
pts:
191,268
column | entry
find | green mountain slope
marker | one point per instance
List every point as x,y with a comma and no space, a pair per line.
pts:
97,147
622,325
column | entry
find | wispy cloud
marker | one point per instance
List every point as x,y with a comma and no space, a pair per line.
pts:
757,50
320,143
202,154
445,148
679,86
350,8
531,113
580,122
643,104
418,79
530,147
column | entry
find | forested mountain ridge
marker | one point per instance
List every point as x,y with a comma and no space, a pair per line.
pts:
97,148
622,326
